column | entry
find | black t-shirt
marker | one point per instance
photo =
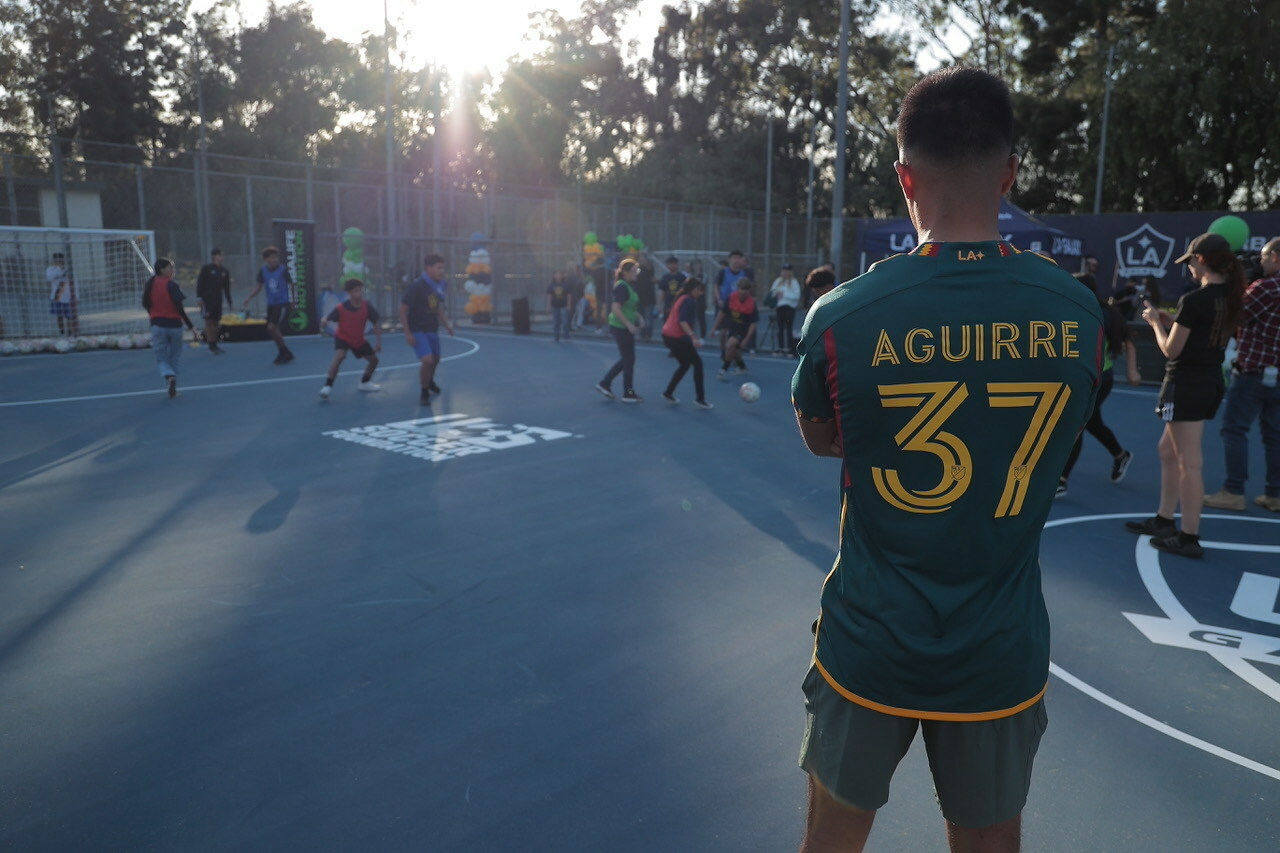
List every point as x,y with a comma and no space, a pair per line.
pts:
425,301
1204,312
213,284
559,293
670,284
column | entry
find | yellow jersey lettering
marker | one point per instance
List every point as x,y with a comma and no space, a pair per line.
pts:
969,256
884,351
1069,338
1041,337
964,344
1004,336
925,354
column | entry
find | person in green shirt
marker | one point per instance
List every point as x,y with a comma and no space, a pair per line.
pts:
951,383
624,320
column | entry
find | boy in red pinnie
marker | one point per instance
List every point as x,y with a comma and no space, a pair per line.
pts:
350,319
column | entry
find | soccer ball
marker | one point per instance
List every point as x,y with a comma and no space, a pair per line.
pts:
8,347
141,341
62,345
43,345
125,342
25,347
749,392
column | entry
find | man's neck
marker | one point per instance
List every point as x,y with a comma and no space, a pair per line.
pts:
949,223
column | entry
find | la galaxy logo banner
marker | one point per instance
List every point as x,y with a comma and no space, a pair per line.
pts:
1143,252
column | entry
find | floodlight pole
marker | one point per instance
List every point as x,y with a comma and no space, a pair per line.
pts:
1102,148
390,123
842,121
768,192
813,143
202,203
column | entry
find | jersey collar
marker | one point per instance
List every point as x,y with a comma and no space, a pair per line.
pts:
932,248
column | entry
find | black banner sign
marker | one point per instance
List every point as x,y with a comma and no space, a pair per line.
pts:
297,241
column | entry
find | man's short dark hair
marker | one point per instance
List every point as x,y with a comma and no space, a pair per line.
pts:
673,260
956,115
737,252
269,251
351,284
216,251
432,259
820,277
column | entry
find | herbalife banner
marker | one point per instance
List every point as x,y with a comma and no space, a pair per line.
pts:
1140,245
297,241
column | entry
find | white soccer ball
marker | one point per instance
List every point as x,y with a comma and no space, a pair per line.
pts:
141,341
84,344
124,342
749,392
25,347
62,345
8,347
43,345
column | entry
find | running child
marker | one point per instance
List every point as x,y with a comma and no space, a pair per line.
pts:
349,319
677,334
739,317
421,313
275,277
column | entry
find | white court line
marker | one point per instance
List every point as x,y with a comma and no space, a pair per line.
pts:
475,347
1133,713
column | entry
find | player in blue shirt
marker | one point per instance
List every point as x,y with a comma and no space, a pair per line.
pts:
274,277
421,315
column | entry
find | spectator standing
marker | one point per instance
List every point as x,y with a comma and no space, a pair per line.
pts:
646,289
558,304
1254,393
786,294
212,285
670,286
163,301
1194,341
63,303
933,617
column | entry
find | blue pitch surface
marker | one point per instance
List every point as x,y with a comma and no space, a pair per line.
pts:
583,627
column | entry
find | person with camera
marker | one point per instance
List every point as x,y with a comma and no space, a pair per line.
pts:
1194,341
1254,393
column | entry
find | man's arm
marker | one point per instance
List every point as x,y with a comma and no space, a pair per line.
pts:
821,437
226,288
404,323
1131,361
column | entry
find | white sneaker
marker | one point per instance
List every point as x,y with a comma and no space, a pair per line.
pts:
369,386
324,392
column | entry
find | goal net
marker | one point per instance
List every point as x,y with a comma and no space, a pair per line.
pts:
106,270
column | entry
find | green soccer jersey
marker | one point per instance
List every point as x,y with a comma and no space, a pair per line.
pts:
959,377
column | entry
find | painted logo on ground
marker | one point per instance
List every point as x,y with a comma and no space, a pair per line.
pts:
444,437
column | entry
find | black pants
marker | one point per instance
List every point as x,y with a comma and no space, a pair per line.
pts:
1096,428
785,316
687,355
626,364
700,304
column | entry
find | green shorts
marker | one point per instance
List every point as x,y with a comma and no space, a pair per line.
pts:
981,770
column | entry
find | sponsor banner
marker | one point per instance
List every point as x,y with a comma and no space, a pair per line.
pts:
297,241
1133,246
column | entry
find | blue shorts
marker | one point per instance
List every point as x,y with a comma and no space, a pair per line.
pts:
426,343
60,309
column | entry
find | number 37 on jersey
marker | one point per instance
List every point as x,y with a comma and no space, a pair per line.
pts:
925,432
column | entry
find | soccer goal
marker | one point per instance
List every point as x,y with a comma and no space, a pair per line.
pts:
105,269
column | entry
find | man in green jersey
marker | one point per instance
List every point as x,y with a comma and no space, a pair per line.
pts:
952,383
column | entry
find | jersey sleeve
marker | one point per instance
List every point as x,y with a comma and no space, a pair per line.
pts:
809,392
332,316
1190,313
620,293
373,315
688,312
407,298
260,279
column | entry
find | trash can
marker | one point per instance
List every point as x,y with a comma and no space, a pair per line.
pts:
520,315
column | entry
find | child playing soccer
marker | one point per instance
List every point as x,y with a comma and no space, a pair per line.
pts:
349,320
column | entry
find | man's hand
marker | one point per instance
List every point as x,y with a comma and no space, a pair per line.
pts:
1133,377
408,338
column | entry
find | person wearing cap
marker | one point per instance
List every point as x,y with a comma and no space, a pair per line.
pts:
785,291
1194,341
1254,393
669,286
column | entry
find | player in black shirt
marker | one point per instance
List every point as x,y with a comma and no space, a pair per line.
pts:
213,284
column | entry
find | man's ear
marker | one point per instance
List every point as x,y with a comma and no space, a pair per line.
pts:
1010,174
906,180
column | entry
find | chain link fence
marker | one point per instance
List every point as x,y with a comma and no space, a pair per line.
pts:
196,202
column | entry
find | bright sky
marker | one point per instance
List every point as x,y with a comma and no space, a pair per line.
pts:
461,34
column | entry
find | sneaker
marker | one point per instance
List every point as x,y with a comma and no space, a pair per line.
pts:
368,386
734,370
630,396
280,359
215,349
173,385
287,356
670,398
604,390
1268,502
1153,526
703,404
1174,543
433,387
720,375
1224,500
325,392
424,399
1120,465
1061,491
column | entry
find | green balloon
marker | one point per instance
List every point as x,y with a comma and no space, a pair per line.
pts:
1233,228
589,238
